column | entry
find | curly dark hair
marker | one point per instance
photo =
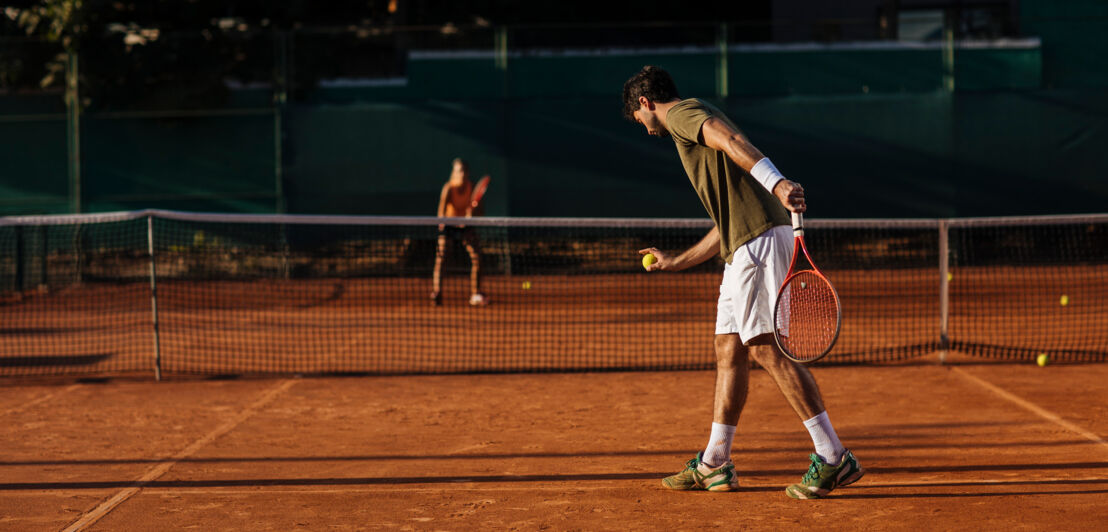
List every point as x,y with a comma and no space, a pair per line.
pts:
652,82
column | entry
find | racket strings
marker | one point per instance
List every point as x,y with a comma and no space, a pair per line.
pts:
479,191
807,315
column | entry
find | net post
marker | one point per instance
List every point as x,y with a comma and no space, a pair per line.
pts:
944,289
18,281
286,269
78,244
44,252
506,253
154,297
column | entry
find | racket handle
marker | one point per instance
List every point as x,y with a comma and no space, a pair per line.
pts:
798,224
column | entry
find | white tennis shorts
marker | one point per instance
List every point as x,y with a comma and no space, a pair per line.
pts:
750,284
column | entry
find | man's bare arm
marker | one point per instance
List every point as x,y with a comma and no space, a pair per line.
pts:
700,252
716,134
720,136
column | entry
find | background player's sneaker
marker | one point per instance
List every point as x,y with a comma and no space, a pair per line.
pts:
699,476
822,478
478,300
436,299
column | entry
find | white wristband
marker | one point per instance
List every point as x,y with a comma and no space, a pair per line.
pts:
766,173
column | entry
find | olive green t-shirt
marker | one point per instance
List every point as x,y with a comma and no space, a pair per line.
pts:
739,205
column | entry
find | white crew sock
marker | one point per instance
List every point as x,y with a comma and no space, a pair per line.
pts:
827,442
718,451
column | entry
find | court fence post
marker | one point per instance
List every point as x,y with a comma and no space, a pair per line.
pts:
73,130
280,104
948,51
944,289
154,296
722,90
281,84
500,48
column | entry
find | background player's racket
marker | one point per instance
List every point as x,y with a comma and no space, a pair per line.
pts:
807,316
478,192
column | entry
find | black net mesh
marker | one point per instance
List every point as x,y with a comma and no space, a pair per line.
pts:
242,294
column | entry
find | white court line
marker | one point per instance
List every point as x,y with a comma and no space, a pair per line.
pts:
1045,414
269,491
562,489
40,400
153,473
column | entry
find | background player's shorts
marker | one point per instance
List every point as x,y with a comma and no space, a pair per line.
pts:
465,234
750,283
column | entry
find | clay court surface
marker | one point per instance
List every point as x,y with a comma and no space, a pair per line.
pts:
982,444
991,446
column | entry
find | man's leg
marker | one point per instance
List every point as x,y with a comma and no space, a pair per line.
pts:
794,379
732,384
772,251
832,465
712,469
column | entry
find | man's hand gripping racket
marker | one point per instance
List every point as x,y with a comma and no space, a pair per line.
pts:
807,317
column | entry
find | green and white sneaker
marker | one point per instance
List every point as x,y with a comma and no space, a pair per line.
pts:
699,476
822,478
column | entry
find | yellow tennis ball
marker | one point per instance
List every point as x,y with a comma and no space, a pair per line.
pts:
1065,300
526,285
1043,359
949,277
648,259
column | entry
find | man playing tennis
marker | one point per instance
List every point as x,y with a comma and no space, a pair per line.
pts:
455,200
747,199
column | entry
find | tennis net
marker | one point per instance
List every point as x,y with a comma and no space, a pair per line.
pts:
187,293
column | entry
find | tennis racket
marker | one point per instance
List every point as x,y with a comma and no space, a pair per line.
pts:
807,316
478,193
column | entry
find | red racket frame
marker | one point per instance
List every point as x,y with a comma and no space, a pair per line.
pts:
798,247
478,192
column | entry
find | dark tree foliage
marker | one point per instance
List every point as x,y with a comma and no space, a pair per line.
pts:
182,54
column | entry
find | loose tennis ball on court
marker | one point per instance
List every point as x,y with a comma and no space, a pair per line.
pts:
1065,300
526,285
1043,359
648,259
949,277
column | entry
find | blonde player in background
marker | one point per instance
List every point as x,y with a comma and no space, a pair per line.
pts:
456,201
747,199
